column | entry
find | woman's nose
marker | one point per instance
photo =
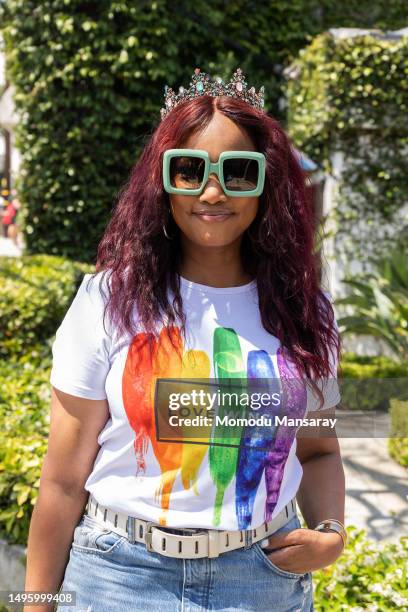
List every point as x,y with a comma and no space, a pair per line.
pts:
213,192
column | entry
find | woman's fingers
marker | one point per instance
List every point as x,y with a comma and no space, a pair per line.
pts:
280,540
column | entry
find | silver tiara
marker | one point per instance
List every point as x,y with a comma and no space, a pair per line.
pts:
202,84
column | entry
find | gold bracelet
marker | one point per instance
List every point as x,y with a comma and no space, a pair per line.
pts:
333,525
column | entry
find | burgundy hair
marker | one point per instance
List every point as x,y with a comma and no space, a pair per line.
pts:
277,249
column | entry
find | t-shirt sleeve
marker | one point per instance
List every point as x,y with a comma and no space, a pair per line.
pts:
80,352
329,385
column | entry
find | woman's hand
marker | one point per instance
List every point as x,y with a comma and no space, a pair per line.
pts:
304,550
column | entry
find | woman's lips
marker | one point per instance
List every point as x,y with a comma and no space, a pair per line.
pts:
213,217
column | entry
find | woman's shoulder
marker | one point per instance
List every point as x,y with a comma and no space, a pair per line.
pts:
91,298
96,285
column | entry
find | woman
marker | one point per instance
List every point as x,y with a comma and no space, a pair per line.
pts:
205,271
9,219
14,228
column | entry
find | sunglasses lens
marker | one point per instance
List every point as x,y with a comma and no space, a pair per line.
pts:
186,172
241,174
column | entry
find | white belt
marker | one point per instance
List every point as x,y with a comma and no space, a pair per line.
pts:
201,543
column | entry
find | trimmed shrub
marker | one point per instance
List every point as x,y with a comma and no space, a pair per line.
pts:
398,445
375,366
379,378
35,292
24,413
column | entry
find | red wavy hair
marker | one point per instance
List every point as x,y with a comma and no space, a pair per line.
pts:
277,249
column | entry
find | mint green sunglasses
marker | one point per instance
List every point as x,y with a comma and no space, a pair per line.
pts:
186,172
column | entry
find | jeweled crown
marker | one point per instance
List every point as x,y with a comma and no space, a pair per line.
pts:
202,84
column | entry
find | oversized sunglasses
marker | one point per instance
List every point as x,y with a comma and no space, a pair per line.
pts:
240,173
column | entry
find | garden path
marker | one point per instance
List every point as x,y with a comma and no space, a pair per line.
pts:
376,488
8,248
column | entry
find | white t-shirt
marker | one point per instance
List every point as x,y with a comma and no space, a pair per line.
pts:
213,486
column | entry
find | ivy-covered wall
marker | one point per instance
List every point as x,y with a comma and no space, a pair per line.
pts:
348,101
89,78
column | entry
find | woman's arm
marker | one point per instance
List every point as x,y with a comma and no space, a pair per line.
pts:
72,448
321,495
322,491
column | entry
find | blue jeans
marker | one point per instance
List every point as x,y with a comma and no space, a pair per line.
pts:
109,574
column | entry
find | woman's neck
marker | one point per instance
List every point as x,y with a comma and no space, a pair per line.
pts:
215,266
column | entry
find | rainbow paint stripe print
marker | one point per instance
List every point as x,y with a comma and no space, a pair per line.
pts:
251,455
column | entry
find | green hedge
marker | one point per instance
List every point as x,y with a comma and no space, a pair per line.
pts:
24,413
35,292
366,366
349,95
398,445
367,383
89,80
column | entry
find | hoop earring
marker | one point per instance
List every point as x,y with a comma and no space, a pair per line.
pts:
166,234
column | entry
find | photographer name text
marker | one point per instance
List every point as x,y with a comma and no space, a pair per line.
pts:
259,421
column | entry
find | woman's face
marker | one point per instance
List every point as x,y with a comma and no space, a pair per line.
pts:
213,219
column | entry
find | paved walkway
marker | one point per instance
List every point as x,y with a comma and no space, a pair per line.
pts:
377,488
8,248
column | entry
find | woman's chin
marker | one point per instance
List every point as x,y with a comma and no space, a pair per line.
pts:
210,239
